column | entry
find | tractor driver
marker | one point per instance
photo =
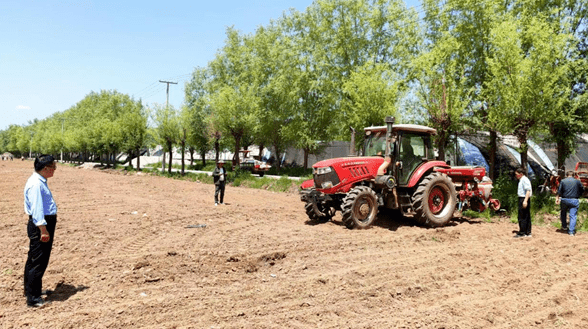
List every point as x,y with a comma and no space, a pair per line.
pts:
406,150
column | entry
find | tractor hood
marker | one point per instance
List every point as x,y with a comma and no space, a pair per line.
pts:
344,172
349,162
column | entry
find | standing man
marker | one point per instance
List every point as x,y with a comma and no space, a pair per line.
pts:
220,177
569,191
42,210
524,193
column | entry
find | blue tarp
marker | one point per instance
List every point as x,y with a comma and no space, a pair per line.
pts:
470,155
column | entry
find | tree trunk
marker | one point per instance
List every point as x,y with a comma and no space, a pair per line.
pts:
492,154
305,158
278,160
191,149
171,150
237,146
138,159
441,146
183,146
524,149
203,155
261,147
562,154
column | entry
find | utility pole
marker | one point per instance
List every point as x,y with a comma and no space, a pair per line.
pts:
62,121
166,107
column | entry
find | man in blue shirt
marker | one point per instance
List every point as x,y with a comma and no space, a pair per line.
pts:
42,210
524,193
568,193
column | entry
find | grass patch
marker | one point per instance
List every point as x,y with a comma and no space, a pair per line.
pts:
486,215
242,178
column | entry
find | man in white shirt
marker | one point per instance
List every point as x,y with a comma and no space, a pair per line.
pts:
42,210
524,192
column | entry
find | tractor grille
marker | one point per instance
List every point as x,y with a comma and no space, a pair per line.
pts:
330,177
358,171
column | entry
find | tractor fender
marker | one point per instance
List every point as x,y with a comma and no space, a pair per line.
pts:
423,169
307,184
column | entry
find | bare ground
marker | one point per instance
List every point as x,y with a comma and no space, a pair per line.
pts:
149,252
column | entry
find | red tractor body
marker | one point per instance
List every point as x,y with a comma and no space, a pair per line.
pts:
552,180
398,171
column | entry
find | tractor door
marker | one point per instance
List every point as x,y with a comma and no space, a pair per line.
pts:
414,150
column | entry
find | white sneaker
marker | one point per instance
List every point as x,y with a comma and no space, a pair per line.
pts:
215,204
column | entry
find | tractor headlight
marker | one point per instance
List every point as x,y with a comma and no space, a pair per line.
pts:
323,170
326,185
325,178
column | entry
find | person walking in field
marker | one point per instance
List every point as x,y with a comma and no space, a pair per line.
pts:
42,210
220,177
568,195
524,193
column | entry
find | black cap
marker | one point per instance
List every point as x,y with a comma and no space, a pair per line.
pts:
42,161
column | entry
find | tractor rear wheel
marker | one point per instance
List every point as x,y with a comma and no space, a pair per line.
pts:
359,208
314,217
434,200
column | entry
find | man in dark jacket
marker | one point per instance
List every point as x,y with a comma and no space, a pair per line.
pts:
220,177
569,191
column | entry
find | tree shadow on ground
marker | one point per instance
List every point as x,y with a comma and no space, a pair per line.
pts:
63,291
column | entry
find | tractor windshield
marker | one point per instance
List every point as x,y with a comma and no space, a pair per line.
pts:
375,144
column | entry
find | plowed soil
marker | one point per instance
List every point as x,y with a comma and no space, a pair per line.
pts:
139,251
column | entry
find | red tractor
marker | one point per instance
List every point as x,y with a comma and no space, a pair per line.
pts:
552,180
398,171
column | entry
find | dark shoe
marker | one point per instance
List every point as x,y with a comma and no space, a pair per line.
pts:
519,236
36,302
565,229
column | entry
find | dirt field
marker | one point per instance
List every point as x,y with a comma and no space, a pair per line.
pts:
125,256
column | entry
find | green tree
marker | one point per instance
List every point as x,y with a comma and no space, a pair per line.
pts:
134,127
524,77
167,123
197,99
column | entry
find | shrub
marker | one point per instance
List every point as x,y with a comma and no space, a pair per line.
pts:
505,190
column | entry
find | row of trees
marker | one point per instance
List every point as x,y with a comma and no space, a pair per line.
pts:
98,127
512,67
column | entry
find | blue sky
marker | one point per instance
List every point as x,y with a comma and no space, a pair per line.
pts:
53,53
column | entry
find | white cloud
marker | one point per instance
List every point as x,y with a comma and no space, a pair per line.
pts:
23,107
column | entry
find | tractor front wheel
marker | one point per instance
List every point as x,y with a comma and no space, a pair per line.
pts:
328,213
359,208
434,200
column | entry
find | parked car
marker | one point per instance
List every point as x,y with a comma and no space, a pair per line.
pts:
255,166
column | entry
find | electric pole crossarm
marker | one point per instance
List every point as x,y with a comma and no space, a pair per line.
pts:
167,91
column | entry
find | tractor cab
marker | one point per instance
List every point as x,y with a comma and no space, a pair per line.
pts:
408,146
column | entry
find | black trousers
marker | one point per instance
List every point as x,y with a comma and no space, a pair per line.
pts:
524,217
38,257
219,188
